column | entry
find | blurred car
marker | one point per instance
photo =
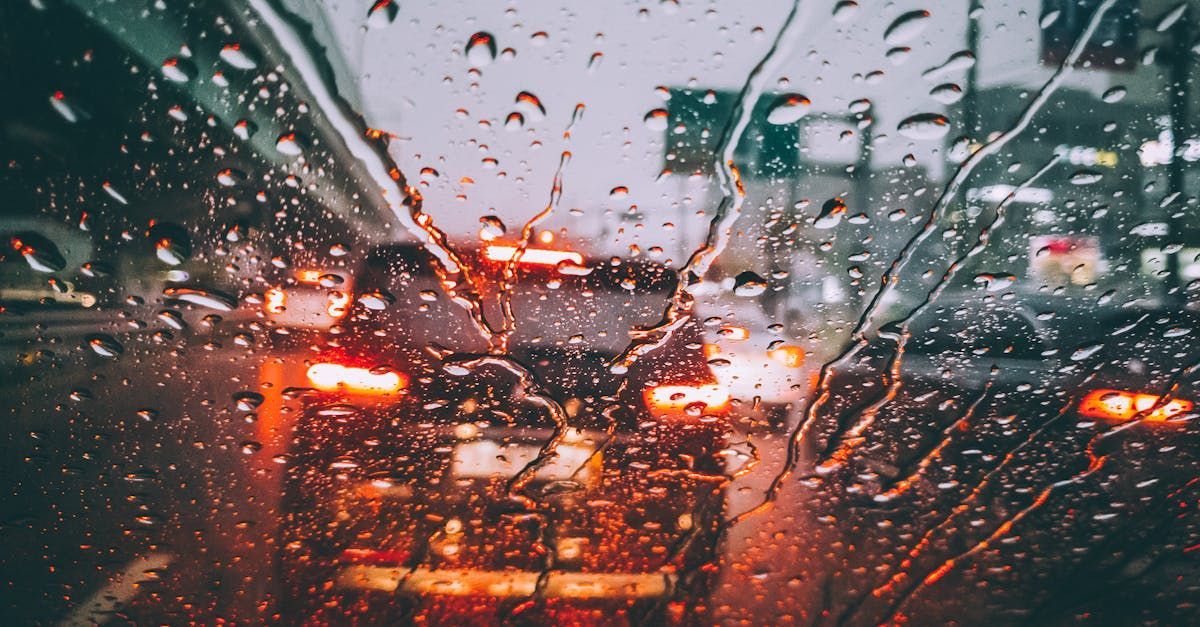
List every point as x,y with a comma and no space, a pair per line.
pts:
412,481
754,362
977,363
308,292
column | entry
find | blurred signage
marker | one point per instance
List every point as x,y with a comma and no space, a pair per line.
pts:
1064,259
1112,47
997,193
696,119
1087,156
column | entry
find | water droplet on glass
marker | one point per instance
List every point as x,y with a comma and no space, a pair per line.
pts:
788,108
1114,94
831,214
289,144
994,282
862,105
1170,18
172,318
1048,18
230,177
481,49
906,27
235,56
946,93
492,228
244,129
961,60
376,300
178,70
845,10
1086,177
924,126
40,253
64,107
618,193
382,13
247,401
529,105
514,122
748,284
112,191
203,297
656,120
1083,352
104,345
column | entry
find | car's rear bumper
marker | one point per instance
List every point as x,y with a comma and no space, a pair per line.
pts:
505,583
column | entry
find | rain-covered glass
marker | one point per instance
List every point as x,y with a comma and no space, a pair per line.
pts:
656,312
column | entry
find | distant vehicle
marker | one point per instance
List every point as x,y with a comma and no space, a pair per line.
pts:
410,484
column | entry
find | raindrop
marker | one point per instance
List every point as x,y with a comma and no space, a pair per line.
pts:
862,105
1083,352
288,144
382,13
788,108
898,55
1114,94
339,250
203,297
111,191
831,214
618,193
172,318
961,60
178,70
995,282
906,27
531,106
845,10
1171,17
947,93
250,447
65,108
247,401
230,177
749,284
1086,177
514,122
235,56
40,253
104,345
481,49
244,129
376,300
656,120
924,126
492,228
1048,18
172,245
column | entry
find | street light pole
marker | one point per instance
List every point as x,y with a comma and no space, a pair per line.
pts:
1179,61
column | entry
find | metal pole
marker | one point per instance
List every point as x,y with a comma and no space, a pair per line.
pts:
1178,103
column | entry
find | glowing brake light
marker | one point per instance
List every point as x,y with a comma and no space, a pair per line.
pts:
325,376
308,276
790,356
533,256
1122,405
275,300
679,397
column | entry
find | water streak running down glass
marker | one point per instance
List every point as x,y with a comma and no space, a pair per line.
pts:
789,312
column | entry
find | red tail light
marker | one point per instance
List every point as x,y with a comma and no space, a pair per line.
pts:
711,396
1123,405
533,256
327,376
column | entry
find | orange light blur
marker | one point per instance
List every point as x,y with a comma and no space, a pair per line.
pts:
533,256
1122,405
678,397
308,276
734,333
790,356
328,377
711,351
338,302
275,300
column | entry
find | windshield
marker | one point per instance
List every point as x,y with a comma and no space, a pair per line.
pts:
661,312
